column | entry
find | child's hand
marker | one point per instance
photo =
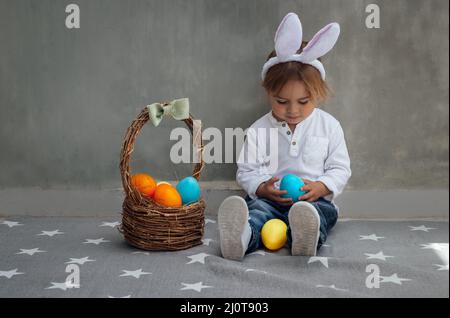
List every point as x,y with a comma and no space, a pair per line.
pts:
314,190
267,190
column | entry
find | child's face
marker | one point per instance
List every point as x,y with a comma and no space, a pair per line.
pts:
292,104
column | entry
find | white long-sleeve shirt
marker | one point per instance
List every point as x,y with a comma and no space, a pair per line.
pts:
316,151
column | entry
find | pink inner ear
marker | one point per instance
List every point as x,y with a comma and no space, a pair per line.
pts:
317,37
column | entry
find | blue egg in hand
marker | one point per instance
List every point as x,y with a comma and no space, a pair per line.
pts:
189,190
292,184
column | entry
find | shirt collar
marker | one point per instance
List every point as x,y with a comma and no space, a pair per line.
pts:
276,122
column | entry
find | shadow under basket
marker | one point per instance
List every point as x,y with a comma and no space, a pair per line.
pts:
148,225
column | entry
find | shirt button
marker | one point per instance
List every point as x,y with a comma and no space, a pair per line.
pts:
294,143
288,132
283,124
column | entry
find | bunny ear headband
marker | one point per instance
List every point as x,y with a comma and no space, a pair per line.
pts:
288,40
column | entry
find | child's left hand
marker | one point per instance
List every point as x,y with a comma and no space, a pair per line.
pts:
314,190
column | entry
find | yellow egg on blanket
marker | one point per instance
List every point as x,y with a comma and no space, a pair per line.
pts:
273,234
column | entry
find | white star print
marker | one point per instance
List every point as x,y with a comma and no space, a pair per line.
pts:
136,274
378,255
393,279
31,251
207,241
255,270
50,233
80,261
331,287
435,246
145,253
421,228
11,223
440,249
259,252
110,224
323,260
209,221
10,273
96,241
63,286
197,258
372,237
196,286
441,267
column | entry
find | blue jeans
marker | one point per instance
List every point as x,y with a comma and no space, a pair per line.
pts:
262,210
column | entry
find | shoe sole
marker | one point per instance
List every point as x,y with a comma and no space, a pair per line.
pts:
304,222
232,218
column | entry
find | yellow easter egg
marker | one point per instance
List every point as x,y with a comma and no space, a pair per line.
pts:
167,195
273,234
163,182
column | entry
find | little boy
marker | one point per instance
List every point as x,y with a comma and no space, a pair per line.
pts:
310,144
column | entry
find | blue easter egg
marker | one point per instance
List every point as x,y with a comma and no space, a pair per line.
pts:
292,184
189,190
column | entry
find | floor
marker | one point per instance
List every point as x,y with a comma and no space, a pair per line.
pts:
360,259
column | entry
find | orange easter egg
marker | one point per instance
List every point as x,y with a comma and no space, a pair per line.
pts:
167,195
145,184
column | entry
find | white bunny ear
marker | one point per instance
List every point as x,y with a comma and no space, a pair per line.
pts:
288,37
321,43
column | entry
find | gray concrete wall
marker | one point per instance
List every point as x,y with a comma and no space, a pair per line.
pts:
68,96
353,204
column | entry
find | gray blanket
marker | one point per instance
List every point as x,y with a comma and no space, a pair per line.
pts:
360,259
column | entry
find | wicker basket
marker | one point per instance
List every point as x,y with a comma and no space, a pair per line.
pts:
148,225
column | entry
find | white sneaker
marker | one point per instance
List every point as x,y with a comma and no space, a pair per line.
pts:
233,222
304,222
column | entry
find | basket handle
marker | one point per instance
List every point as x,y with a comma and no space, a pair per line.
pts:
128,147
